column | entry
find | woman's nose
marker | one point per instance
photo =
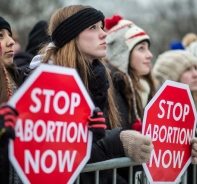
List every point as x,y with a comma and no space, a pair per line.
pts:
10,41
103,34
149,54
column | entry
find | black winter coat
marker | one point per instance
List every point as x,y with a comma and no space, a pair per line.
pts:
123,108
107,148
110,146
122,101
22,60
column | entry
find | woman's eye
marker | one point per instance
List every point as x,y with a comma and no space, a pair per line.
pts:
1,35
141,48
188,69
93,27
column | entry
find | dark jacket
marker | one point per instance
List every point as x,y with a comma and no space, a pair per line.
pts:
36,38
7,172
22,60
107,148
110,146
122,101
120,98
123,108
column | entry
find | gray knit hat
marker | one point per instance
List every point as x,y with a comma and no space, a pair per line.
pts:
121,39
192,48
171,64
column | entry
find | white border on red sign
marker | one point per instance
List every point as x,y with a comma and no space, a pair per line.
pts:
178,85
59,70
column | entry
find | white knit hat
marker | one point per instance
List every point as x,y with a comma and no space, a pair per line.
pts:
192,48
121,39
171,64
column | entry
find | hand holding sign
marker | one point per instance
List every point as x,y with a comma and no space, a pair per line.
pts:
194,150
136,146
97,124
8,117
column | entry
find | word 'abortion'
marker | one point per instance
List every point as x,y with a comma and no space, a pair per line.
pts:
51,131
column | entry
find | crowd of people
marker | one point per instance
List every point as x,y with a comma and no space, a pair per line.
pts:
113,58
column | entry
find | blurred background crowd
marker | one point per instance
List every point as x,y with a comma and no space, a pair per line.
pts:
165,22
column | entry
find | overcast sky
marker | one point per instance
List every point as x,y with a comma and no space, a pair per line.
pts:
129,9
109,7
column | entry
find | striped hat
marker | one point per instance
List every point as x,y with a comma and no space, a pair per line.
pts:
121,40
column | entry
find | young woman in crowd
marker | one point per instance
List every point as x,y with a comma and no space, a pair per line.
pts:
78,41
8,85
8,115
128,52
8,74
129,58
179,66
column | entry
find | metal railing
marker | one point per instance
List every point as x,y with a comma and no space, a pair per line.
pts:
116,163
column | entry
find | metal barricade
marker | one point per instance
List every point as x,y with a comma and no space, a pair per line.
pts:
116,163
110,164
194,174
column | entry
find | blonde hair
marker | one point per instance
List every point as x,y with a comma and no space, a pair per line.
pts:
70,56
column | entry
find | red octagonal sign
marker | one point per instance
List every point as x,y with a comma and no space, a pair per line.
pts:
52,142
170,121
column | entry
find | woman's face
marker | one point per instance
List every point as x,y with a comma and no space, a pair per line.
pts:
190,77
7,47
140,58
91,41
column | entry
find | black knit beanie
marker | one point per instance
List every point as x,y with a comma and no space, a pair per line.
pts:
4,24
37,36
76,23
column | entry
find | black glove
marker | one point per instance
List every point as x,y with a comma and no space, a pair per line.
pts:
8,117
97,124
